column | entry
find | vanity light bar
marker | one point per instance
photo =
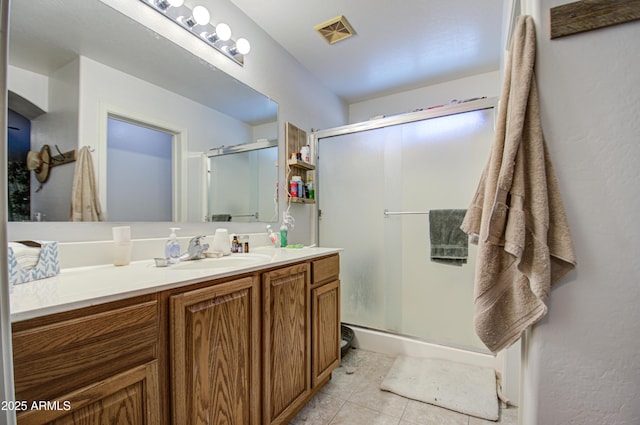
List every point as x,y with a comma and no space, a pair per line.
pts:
196,21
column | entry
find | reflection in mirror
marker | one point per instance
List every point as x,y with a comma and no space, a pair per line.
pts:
74,64
243,182
137,153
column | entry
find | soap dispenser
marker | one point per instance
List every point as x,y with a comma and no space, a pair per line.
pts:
172,248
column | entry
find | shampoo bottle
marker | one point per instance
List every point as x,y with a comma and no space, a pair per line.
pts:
172,248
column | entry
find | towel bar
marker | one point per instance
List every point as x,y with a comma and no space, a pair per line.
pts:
387,213
245,215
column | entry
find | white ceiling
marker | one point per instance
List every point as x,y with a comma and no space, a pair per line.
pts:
399,45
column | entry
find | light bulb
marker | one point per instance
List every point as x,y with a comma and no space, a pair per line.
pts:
243,46
223,32
201,15
165,4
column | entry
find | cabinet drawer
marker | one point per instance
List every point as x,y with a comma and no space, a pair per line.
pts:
131,397
58,356
325,269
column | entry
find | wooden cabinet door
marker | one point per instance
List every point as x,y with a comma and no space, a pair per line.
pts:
325,318
215,360
129,398
287,342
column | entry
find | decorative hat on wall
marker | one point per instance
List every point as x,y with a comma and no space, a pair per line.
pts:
40,163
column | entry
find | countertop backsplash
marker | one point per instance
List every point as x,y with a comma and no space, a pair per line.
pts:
94,253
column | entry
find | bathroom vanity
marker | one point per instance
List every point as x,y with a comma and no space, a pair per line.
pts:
237,343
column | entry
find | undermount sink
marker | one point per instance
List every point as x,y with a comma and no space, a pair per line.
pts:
229,261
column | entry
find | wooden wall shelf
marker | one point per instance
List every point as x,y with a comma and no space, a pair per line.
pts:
301,164
302,200
295,139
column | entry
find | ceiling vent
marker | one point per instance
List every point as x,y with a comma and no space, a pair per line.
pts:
335,29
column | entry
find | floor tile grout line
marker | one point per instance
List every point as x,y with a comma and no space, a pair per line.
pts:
337,411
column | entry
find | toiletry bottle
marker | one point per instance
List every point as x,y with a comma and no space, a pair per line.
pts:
312,193
241,240
172,248
293,188
234,244
283,235
298,186
244,241
272,236
305,151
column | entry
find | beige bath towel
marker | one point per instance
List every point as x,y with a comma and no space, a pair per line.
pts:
517,217
85,205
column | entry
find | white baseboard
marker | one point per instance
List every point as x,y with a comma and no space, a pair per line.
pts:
393,345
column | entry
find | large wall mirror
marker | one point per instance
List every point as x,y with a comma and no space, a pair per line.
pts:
83,74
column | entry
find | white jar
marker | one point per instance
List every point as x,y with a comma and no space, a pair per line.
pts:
121,245
221,242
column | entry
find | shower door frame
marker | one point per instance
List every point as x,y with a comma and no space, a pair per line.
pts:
399,120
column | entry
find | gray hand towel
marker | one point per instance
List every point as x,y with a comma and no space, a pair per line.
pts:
449,244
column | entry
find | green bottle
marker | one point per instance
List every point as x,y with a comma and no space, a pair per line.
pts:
283,235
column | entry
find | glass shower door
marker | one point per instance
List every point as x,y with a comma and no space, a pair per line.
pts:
388,280
351,171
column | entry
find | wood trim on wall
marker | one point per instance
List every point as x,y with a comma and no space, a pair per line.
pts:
587,15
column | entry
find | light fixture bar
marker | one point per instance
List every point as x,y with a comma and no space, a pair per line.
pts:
196,21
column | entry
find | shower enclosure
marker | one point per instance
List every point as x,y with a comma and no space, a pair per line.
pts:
377,182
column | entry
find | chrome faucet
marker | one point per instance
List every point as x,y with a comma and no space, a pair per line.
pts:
196,249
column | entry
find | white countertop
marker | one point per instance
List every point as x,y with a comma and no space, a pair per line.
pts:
85,286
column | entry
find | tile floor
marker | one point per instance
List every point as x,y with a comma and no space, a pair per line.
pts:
353,397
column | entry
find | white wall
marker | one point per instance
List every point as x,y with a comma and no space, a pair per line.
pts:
29,85
584,357
482,85
58,127
56,94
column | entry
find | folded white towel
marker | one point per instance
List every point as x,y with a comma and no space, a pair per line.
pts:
26,256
